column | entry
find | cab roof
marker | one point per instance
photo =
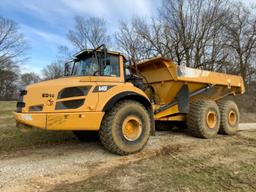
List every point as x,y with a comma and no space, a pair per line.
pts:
85,52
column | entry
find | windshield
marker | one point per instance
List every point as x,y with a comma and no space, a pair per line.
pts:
86,67
89,66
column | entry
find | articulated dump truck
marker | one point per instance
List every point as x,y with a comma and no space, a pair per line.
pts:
99,93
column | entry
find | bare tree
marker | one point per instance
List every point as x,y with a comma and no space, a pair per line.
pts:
12,52
90,32
195,28
8,65
151,34
12,43
29,78
241,40
188,31
7,86
53,71
129,41
8,81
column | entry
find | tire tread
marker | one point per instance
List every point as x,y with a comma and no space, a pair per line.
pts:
195,119
105,132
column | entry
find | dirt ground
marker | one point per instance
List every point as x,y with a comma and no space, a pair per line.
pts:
222,164
172,161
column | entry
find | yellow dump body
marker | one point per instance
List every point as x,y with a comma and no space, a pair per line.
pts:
167,79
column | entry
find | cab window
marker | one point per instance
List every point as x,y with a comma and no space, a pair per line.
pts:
112,68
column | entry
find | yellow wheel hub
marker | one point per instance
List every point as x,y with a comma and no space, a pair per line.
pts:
232,117
132,128
211,119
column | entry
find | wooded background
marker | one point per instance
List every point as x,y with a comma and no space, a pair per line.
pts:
216,35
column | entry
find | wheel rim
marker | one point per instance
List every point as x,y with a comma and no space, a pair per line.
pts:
211,119
232,117
132,128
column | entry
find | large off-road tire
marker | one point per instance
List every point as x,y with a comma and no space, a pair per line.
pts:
86,136
229,114
203,118
125,129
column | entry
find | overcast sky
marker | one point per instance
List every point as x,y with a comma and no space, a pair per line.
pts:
45,23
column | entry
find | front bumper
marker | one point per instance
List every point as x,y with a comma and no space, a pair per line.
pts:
61,121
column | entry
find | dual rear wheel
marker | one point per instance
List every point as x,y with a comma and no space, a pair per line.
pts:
207,118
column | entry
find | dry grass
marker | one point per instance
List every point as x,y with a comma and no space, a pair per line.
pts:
11,138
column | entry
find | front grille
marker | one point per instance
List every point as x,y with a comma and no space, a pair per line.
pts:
73,92
71,104
36,108
20,103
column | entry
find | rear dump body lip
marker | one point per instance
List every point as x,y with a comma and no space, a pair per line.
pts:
62,121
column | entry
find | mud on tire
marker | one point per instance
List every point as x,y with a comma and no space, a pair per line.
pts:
229,114
203,118
125,129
